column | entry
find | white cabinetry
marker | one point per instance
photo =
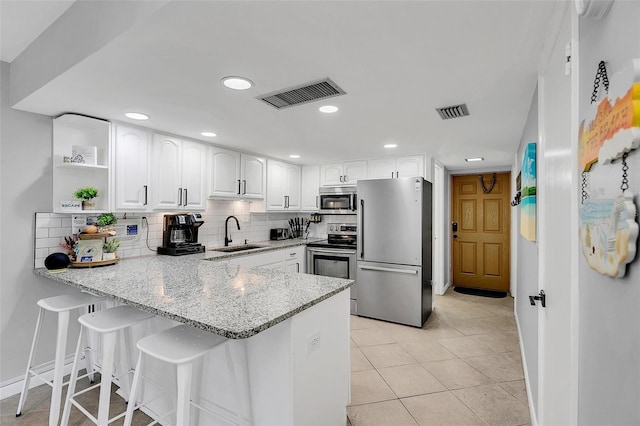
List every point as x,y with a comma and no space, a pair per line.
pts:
283,186
309,198
76,130
132,150
236,175
395,167
294,259
179,174
347,173
286,260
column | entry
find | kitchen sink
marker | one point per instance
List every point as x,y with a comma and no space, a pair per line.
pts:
234,249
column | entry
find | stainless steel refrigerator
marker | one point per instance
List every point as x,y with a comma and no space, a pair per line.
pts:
394,250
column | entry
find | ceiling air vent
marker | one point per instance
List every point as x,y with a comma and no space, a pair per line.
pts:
302,94
454,111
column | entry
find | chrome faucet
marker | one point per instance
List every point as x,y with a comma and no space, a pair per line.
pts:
228,240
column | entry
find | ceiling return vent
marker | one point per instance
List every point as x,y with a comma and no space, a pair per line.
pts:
302,94
454,111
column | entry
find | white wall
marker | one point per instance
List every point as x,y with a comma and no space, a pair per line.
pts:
25,178
609,310
527,270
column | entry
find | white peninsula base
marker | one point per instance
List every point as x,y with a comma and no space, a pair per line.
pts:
298,373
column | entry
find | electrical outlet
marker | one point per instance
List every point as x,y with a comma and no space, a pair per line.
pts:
313,342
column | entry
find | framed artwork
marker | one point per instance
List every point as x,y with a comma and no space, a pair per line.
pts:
528,193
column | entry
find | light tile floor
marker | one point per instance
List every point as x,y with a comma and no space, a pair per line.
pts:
463,367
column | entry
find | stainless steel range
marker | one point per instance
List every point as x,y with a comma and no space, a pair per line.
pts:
336,256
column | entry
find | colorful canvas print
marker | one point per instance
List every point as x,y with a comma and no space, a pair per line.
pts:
528,203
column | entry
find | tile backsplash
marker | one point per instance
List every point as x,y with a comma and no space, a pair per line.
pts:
51,228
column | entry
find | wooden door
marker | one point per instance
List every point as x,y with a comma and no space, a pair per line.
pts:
480,245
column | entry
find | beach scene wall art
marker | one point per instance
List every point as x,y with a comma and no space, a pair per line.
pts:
528,200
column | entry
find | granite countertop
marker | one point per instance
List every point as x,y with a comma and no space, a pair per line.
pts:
230,300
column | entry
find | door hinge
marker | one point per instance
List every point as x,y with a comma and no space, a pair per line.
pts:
541,297
567,62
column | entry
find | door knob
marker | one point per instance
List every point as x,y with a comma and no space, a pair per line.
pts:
455,236
541,297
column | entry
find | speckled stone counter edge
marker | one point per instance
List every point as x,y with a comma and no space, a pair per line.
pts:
273,245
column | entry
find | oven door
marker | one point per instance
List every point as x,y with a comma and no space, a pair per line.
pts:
337,263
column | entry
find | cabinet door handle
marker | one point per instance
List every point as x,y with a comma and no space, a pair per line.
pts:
317,201
293,254
346,178
397,175
186,203
341,177
244,185
286,201
179,196
238,186
298,266
391,175
146,194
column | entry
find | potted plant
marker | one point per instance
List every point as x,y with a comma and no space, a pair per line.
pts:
106,221
87,195
109,248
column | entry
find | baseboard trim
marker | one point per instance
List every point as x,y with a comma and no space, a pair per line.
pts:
14,386
532,413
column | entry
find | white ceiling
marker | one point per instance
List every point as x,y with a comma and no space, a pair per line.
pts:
396,60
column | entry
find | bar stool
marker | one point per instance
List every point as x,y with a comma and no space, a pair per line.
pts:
181,346
62,305
109,324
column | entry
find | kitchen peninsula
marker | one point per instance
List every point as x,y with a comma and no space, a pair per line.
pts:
289,332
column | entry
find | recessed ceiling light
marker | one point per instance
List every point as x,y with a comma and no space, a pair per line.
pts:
294,156
469,160
137,116
391,145
328,109
209,134
237,83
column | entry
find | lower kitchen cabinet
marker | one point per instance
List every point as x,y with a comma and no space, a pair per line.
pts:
286,260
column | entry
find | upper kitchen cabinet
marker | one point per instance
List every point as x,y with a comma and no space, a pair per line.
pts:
395,167
80,159
236,175
283,186
309,199
179,174
347,173
132,156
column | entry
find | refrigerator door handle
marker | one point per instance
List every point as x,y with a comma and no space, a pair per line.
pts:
361,229
378,268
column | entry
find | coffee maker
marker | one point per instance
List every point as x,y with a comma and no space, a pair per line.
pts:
180,234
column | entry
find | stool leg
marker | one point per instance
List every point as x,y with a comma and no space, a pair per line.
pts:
27,375
184,394
72,381
88,357
108,347
134,389
126,343
58,371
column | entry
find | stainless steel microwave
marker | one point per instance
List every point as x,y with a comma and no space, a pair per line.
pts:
338,199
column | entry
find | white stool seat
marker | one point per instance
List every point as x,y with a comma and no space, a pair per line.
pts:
181,346
113,319
108,323
68,302
61,305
